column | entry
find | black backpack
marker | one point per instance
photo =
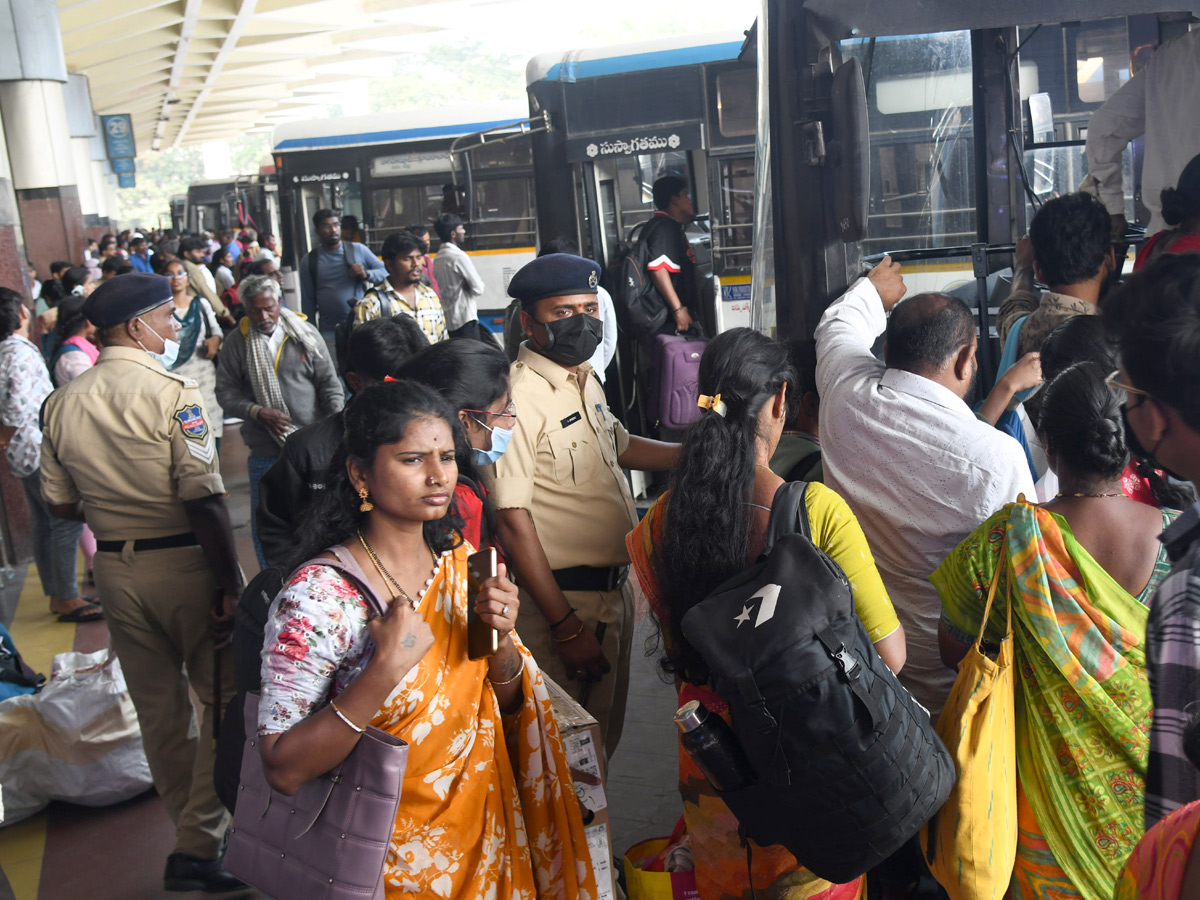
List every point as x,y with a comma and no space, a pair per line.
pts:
640,309
848,764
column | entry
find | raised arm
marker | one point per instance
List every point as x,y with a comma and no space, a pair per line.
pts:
1121,119
851,324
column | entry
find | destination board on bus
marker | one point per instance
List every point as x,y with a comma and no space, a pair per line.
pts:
421,163
634,142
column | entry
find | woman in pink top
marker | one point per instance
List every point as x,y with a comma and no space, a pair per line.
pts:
73,352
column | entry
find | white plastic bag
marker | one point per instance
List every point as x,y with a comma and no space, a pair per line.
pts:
77,740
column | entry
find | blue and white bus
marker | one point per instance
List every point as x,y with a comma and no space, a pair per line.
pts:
397,169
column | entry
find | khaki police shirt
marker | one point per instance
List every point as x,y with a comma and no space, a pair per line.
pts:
562,465
132,441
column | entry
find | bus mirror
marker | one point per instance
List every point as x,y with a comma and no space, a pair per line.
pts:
849,158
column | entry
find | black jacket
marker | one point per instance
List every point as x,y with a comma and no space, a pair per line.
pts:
290,483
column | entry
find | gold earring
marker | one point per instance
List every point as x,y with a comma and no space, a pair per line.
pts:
366,505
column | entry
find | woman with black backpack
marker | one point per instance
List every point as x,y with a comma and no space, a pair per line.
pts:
712,525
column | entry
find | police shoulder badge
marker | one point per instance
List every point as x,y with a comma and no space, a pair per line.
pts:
191,422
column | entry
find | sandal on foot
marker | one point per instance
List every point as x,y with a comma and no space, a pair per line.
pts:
89,612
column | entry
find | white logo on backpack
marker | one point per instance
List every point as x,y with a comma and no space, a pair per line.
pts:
769,596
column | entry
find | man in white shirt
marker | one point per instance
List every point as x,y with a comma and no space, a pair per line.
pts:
1159,102
902,447
459,281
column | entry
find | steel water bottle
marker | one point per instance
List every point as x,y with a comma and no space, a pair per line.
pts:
711,743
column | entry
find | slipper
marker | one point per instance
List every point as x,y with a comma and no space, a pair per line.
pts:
89,612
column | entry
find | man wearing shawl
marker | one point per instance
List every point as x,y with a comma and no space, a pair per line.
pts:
276,375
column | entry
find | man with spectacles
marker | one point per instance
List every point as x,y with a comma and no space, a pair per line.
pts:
1155,320
563,502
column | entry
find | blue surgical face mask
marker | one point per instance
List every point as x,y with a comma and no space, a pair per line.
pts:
500,439
170,351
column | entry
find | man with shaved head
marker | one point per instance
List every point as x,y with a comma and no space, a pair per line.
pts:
901,445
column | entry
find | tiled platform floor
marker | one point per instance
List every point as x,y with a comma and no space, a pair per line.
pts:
117,853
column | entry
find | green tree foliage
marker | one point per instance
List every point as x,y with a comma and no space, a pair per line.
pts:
448,74
159,177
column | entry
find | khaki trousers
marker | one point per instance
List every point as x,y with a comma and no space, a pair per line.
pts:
607,697
157,606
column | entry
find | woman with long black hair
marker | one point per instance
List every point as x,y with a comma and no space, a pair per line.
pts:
710,526
473,378
473,820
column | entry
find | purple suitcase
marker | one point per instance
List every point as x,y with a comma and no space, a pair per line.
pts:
677,370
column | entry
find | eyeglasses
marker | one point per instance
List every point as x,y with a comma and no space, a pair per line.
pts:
510,411
1112,381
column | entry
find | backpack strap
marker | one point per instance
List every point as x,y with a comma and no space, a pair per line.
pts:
789,513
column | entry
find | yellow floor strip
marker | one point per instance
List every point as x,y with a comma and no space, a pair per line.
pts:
39,636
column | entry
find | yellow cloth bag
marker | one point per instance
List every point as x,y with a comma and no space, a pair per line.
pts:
641,884
971,843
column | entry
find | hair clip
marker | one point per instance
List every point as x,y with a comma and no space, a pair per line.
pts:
714,403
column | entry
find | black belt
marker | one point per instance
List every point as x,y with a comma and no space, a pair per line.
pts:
591,578
143,544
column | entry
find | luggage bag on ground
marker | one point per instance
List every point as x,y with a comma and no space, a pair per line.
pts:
848,764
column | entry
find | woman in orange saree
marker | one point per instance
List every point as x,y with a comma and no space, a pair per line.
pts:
488,807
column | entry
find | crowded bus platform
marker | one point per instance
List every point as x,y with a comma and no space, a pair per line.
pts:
755,465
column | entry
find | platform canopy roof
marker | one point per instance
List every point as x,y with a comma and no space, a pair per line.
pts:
200,70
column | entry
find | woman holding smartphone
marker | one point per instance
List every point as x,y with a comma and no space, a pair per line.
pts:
487,807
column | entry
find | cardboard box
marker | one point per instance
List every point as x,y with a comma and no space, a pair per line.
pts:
585,755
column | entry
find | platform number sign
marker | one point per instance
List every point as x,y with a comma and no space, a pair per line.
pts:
118,136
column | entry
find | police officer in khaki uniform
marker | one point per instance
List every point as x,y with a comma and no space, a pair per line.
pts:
563,501
127,446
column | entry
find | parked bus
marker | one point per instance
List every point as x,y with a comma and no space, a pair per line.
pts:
933,136
394,170
248,201
623,116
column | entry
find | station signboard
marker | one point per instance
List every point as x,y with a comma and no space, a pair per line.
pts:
118,136
122,165
126,180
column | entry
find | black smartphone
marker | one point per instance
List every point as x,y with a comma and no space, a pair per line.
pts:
482,639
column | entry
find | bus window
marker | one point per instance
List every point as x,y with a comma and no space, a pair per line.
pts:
922,158
392,209
1077,67
736,109
635,183
504,215
734,234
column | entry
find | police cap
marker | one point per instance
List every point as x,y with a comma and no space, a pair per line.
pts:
554,275
125,297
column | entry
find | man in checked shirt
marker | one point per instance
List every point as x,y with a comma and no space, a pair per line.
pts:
1155,320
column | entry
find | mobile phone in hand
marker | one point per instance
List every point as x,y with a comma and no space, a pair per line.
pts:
482,639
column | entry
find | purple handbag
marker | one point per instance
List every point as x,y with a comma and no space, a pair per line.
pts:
330,840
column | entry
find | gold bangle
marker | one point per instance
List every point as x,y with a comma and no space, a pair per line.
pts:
496,683
571,638
341,715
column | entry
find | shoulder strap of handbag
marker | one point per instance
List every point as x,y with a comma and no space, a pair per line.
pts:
789,513
987,608
349,568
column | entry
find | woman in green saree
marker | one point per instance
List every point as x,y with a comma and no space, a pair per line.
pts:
1078,572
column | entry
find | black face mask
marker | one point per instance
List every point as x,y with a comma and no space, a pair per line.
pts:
1137,450
572,340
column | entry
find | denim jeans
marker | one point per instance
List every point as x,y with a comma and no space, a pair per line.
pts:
55,543
256,468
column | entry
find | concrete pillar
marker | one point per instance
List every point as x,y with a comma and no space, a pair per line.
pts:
33,71
85,131
12,245
39,150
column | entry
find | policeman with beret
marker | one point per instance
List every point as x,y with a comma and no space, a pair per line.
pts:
563,502
127,445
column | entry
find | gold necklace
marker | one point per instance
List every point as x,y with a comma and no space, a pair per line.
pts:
394,586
